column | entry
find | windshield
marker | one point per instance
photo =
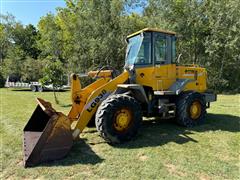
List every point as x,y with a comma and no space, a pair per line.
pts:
133,48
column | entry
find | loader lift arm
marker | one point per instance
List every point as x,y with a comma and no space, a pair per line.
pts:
86,101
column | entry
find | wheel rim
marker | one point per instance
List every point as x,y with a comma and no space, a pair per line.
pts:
195,110
123,119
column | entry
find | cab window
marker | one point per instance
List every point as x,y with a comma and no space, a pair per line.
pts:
144,55
160,49
173,49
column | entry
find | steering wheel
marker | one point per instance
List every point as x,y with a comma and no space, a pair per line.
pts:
140,60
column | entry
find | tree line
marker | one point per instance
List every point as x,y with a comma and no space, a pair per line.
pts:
87,34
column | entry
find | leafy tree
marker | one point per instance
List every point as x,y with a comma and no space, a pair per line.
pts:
222,44
53,74
12,65
94,33
32,69
3,43
18,45
6,26
50,42
25,38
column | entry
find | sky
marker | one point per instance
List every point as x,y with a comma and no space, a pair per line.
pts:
29,11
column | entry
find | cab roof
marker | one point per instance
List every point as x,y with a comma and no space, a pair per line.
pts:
151,30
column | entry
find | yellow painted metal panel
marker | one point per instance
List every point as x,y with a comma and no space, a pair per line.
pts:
160,77
196,73
145,76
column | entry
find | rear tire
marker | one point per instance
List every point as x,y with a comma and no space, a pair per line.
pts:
118,118
191,109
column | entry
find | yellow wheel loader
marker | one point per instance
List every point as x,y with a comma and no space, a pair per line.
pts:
151,84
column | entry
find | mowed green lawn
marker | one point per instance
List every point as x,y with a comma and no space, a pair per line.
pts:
161,150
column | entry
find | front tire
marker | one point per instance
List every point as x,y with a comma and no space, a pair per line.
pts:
191,109
118,118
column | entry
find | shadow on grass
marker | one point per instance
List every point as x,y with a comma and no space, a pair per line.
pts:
21,90
65,105
158,132
81,153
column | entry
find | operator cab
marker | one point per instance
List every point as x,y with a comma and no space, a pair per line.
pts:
150,47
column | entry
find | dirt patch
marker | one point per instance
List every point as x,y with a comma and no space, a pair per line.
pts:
142,157
20,162
203,177
172,169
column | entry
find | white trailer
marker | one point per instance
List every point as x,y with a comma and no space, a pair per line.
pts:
34,86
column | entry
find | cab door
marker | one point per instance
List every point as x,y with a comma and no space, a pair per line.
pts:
163,56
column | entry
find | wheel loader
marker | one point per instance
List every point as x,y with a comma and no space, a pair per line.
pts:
152,84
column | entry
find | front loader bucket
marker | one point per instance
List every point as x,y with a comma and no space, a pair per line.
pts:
47,135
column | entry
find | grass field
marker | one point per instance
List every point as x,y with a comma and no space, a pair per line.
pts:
161,150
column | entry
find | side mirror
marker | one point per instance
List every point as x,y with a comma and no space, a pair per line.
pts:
179,57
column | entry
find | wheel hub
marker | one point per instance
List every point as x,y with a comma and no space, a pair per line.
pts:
195,110
123,118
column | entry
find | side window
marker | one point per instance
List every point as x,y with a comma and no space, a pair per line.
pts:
160,49
173,49
144,55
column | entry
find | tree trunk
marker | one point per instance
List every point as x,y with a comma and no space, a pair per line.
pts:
55,96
